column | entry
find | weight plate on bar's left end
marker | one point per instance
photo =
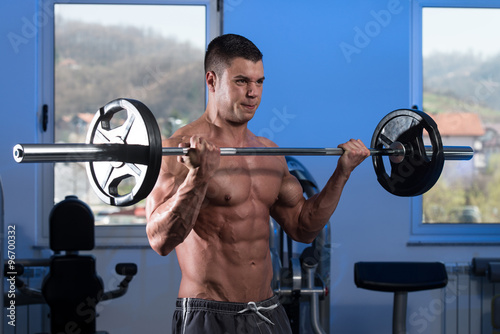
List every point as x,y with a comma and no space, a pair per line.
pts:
130,180
416,173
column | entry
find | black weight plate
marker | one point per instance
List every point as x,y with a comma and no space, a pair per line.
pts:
125,122
417,173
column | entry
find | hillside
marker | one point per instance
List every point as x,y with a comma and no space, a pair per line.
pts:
96,64
462,83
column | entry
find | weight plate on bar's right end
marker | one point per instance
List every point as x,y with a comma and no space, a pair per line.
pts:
416,173
130,180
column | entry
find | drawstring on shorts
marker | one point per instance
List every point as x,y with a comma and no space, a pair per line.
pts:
251,306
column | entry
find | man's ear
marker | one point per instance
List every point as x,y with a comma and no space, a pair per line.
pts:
211,80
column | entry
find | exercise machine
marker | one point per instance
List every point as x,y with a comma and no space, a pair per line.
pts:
72,289
302,272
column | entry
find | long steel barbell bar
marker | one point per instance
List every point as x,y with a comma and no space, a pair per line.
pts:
140,153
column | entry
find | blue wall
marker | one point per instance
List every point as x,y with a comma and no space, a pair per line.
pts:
325,95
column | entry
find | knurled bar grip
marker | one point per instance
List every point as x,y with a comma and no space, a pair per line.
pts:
139,153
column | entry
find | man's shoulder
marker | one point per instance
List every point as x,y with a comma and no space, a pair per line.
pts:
184,133
263,141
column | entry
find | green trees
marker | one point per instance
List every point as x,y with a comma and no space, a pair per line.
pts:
95,64
465,83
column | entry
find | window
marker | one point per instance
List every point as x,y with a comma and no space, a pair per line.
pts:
458,75
102,51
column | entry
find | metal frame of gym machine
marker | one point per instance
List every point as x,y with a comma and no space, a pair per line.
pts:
301,276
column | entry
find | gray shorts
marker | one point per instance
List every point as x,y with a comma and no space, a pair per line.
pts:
194,316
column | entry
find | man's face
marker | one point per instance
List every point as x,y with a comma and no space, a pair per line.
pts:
238,91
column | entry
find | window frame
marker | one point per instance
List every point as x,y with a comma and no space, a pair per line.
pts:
127,236
444,233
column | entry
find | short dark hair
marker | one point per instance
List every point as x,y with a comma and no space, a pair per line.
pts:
223,49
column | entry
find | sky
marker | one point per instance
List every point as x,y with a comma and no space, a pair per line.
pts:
461,29
187,23
443,29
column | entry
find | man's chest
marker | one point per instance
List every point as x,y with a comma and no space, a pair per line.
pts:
239,179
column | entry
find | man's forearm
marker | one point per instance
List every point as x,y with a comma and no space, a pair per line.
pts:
171,222
318,209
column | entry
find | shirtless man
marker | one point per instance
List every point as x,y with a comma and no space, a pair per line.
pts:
214,211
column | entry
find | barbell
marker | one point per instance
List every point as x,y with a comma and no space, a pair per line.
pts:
124,143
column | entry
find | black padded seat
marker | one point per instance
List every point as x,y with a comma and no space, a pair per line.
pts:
400,278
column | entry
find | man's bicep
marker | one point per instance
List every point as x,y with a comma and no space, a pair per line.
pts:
287,208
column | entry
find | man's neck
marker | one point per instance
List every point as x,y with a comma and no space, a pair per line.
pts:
225,130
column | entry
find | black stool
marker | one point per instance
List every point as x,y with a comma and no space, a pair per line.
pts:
400,278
